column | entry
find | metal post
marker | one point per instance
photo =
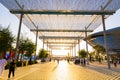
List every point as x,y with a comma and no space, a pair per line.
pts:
47,45
86,45
78,45
72,50
43,43
75,50
51,53
86,41
105,42
36,40
18,36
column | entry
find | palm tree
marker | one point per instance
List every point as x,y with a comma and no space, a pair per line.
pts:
6,41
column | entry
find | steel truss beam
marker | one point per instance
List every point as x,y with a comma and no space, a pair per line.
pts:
53,30
60,37
60,45
60,42
64,12
60,48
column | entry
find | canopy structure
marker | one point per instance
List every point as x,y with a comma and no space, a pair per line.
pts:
62,21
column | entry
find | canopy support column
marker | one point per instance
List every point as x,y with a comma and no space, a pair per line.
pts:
70,52
51,54
18,36
36,40
78,44
43,43
74,50
47,45
105,41
86,41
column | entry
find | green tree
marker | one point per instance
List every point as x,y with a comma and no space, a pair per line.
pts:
99,50
82,53
42,53
6,40
28,46
22,45
92,55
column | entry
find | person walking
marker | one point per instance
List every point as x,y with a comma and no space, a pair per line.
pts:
12,68
84,62
3,63
68,60
58,61
115,62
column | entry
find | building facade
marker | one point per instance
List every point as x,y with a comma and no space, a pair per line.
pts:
113,40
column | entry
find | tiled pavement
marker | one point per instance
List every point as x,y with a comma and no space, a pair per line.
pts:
64,71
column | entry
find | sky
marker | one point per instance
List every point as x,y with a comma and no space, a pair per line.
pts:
111,22
8,19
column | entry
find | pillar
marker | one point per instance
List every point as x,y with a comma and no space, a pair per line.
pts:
86,41
18,36
36,40
105,41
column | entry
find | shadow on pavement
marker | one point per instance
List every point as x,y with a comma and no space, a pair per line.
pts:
54,67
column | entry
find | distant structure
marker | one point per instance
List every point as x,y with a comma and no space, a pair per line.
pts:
113,40
0,26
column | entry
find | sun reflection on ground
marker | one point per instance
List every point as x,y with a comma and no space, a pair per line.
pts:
63,64
62,70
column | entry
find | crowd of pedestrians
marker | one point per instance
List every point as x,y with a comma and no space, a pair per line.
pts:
115,61
12,64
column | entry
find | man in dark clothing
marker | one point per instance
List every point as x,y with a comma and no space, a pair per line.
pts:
12,68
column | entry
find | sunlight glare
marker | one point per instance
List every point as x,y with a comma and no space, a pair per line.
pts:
60,52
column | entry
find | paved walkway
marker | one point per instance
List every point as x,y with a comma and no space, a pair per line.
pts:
104,65
63,71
